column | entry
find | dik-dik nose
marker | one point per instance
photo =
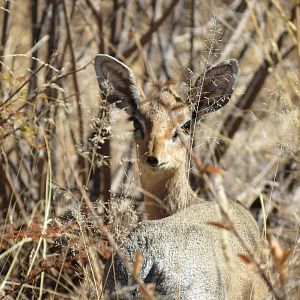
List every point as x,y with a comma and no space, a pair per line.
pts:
152,161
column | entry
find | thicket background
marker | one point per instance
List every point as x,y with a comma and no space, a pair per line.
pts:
67,158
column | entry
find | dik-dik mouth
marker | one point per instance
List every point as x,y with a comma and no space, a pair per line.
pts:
159,167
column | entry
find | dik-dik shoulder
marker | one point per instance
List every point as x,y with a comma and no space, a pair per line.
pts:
184,256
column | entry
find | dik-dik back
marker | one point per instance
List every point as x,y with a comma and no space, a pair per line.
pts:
184,257
183,254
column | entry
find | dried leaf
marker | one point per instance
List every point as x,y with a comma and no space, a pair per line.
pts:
42,96
138,263
147,291
219,225
213,170
7,78
104,250
245,258
168,83
280,257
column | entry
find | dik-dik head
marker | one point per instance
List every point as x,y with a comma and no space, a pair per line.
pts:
158,119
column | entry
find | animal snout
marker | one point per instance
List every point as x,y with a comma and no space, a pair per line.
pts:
152,161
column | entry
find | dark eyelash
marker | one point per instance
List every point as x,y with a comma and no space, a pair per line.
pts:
186,127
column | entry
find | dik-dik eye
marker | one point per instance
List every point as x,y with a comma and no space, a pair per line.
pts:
186,127
138,128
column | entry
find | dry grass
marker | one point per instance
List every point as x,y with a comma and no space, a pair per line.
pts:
60,142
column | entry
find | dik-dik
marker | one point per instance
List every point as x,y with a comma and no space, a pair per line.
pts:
183,252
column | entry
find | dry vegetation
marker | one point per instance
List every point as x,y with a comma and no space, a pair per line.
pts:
67,159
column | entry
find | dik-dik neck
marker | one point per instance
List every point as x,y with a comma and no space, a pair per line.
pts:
166,192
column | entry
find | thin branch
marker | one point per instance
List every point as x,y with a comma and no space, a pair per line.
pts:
33,97
5,29
115,27
97,15
36,28
87,20
146,37
12,187
192,27
233,123
21,86
76,85
163,51
298,35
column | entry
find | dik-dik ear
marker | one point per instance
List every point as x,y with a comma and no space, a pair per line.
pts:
117,83
214,88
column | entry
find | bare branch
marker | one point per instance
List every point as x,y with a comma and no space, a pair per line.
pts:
146,37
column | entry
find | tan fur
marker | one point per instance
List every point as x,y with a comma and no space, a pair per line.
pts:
183,253
169,182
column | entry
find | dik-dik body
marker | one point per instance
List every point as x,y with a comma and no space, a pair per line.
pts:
183,253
